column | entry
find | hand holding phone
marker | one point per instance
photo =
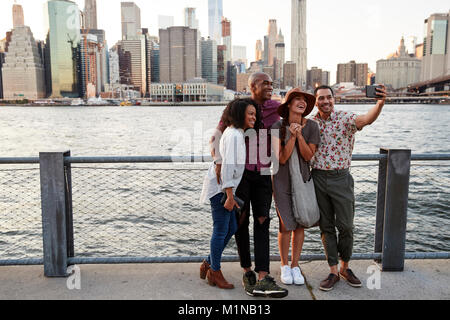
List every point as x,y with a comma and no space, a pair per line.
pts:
372,92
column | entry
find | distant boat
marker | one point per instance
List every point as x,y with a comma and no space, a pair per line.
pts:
77,102
126,104
114,102
96,102
44,102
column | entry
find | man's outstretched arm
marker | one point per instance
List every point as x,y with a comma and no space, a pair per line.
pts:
373,114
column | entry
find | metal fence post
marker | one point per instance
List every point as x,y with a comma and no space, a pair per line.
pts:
54,203
69,208
395,209
381,201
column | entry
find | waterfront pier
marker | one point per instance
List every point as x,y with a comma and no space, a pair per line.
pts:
421,280
114,227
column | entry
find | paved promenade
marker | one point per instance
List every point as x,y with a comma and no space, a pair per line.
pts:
422,280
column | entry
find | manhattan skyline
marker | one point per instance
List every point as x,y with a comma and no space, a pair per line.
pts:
337,31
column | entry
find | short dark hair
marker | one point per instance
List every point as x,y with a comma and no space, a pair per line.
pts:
235,113
323,88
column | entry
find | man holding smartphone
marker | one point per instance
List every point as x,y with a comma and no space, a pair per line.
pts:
333,182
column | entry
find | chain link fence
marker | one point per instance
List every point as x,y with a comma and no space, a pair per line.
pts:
153,210
20,212
138,210
429,207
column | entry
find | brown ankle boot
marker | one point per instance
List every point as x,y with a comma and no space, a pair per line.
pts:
204,269
215,278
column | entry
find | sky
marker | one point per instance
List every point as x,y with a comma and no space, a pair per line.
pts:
337,31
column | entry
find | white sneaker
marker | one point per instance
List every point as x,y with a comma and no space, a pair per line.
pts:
286,275
298,277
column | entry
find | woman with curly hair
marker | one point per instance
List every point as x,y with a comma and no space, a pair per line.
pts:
239,116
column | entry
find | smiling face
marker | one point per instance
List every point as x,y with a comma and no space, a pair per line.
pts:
325,101
298,105
250,117
262,88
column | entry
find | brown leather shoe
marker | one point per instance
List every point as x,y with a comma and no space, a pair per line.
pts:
204,269
215,278
328,284
351,279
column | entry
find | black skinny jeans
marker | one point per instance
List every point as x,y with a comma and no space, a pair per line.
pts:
256,190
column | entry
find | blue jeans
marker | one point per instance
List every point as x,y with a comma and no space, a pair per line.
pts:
224,227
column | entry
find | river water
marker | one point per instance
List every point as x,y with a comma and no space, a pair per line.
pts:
153,210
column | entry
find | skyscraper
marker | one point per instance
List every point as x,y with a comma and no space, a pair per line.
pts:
215,14
298,42
190,19
132,49
131,20
226,40
352,72
221,70
18,17
259,51
289,75
90,66
280,37
178,54
102,48
151,45
23,70
240,54
279,61
90,14
154,63
114,67
314,78
209,60
436,47
266,51
64,47
135,54
272,37
232,71
93,44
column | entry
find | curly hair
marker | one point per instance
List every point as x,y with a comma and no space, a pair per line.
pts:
235,113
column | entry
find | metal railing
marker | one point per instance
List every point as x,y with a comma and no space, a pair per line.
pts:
145,210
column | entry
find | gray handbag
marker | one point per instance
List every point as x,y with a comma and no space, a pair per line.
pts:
304,201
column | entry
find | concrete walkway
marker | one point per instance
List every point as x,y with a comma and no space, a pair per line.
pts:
422,279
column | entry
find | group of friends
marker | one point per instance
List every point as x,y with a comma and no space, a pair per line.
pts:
239,177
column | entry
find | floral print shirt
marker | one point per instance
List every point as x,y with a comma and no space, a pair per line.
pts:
337,140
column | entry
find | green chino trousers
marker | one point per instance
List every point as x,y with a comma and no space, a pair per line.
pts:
336,198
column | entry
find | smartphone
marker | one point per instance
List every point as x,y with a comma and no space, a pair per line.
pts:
371,91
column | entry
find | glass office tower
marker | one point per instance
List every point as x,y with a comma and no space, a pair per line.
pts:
209,60
436,47
64,45
215,14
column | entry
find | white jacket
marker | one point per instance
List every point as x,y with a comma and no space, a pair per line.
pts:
233,153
